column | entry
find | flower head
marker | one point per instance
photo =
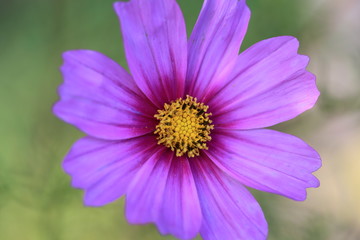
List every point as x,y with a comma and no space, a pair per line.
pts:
181,136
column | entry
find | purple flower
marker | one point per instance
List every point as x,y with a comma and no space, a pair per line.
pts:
181,136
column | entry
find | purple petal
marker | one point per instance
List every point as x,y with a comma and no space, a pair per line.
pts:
214,44
267,160
155,44
229,210
164,192
100,97
269,85
104,169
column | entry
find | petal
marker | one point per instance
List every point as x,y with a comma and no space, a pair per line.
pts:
164,192
267,160
214,44
229,210
269,85
101,99
104,169
155,44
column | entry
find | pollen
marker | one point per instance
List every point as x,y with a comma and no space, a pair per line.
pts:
184,126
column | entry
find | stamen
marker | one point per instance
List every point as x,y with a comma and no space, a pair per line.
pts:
184,126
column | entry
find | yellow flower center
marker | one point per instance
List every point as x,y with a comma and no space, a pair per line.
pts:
184,126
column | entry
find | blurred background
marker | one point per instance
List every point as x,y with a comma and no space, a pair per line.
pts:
36,200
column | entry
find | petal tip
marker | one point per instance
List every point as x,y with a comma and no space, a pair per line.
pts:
72,53
89,202
117,5
315,183
56,110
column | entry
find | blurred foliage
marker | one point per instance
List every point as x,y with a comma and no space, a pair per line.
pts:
36,200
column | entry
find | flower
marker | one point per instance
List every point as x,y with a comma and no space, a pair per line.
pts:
181,136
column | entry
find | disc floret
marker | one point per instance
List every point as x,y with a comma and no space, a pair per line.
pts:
184,126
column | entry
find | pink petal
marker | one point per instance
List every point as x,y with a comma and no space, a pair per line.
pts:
100,98
155,44
269,85
229,210
267,160
164,192
104,169
214,44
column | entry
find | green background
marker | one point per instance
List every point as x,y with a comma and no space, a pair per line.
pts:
36,200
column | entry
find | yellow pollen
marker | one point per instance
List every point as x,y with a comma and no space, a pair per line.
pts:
184,126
